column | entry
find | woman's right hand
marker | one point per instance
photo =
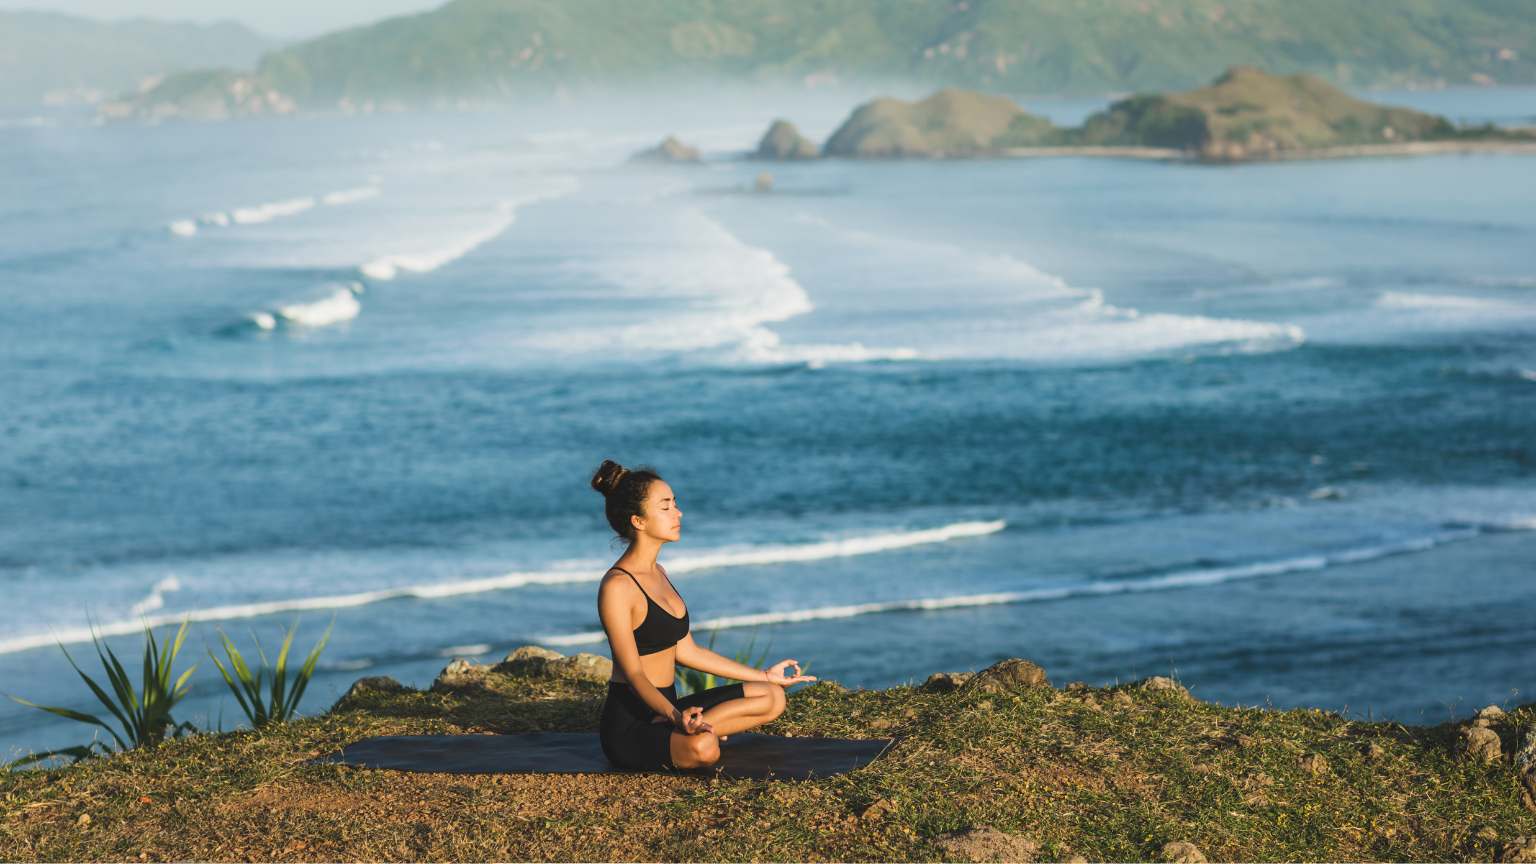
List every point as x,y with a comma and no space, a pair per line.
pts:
690,721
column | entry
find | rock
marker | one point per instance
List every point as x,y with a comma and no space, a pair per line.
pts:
1480,744
1488,717
1008,675
985,843
1528,791
459,673
528,660
1525,757
944,682
1180,852
1074,859
531,661
1159,683
1074,686
1315,764
588,666
877,811
1373,752
1122,699
669,150
376,684
763,183
84,821
1521,850
373,684
784,142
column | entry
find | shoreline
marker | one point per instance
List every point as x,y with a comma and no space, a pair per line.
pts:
1358,151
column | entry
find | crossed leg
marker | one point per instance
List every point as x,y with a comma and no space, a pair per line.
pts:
760,703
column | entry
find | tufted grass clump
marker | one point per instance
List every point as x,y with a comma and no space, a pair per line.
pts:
278,701
143,711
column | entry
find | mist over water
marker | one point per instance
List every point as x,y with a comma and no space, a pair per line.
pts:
1267,427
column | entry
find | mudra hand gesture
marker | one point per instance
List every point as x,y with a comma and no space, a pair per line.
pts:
780,673
689,721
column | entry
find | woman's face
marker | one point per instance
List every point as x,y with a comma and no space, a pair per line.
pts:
661,519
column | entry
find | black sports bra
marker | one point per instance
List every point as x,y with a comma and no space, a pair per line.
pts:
658,633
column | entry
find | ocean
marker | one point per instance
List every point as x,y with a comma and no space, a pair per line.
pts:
1266,428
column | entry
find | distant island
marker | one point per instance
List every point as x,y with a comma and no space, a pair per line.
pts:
996,765
469,53
1245,115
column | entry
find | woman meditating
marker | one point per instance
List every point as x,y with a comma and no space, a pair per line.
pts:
644,724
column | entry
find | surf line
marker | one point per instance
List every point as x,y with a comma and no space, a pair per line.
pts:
1169,581
867,544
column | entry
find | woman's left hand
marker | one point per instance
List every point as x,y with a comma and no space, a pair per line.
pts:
778,673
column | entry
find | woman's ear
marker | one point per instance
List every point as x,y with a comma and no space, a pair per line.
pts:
638,523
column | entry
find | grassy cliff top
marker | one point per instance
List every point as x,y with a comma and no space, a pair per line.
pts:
1003,765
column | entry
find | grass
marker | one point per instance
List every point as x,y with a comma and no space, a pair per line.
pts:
1108,773
278,701
143,711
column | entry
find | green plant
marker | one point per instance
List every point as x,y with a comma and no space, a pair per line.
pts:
143,712
278,703
694,681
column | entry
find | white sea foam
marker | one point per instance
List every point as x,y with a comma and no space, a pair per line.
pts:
578,572
217,217
1061,322
1527,374
1442,302
501,217
761,345
183,227
338,306
731,288
474,650
348,196
263,320
1169,581
156,598
272,210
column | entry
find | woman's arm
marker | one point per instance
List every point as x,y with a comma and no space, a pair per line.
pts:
613,604
696,656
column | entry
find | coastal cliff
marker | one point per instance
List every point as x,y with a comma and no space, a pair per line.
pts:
1245,115
997,765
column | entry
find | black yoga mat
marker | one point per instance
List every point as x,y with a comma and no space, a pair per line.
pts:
742,756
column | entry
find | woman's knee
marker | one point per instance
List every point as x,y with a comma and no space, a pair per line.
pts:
776,700
699,749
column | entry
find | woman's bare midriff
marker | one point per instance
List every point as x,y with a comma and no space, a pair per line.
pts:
659,668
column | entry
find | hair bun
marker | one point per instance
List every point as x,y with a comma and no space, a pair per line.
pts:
608,476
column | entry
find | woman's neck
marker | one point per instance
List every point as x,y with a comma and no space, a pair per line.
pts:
641,554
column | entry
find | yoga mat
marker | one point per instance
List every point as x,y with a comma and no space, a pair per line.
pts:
744,756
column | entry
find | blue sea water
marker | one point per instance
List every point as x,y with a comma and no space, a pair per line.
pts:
1267,427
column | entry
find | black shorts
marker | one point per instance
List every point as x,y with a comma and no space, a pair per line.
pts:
631,740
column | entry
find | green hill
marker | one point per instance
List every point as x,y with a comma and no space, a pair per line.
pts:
1245,114
493,50
949,123
63,58
1248,113
1002,767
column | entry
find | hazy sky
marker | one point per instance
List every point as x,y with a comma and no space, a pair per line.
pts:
288,18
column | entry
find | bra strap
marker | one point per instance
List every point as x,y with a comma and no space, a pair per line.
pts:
637,583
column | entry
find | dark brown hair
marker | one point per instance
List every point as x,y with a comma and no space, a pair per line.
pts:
623,493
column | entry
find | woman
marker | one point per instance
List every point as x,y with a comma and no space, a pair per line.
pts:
645,725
